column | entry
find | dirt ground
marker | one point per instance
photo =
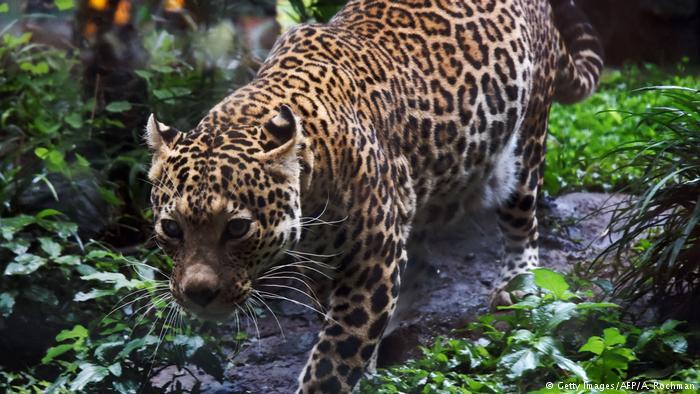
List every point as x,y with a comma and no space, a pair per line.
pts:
450,292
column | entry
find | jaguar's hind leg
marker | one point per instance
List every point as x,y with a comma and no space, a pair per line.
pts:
517,218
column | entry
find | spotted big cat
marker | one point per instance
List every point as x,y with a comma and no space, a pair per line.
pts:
396,117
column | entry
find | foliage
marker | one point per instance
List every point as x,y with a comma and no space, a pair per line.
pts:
114,352
553,335
62,143
581,135
658,228
293,12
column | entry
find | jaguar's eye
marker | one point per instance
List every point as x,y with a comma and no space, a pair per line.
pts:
171,228
237,228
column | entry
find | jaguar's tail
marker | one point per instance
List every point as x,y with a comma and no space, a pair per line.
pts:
581,54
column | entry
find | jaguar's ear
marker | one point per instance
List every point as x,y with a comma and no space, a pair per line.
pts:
159,135
287,152
283,130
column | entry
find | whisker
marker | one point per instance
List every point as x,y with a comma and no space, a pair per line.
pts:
257,297
279,297
311,254
298,264
294,289
311,290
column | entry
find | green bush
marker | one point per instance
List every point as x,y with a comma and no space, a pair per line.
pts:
581,135
107,319
554,335
658,247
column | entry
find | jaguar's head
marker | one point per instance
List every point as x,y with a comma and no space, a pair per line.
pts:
226,205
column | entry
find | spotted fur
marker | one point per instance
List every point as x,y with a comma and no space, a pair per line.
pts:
394,117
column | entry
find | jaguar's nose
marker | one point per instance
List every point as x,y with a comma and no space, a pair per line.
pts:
200,285
201,295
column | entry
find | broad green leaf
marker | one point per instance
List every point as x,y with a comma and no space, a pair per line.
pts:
521,336
110,197
550,280
644,338
103,347
670,325
571,366
10,226
56,351
92,294
7,302
89,373
60,228
74,120
594,345
552,315
50,247
114,278
17,246
519,362
612,337
25,264
115,369
77,332
118,106
69,259
677,343
4,8
138,343
191,344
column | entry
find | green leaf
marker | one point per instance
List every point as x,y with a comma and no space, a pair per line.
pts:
89,373
78,331
118,106
552,315
594,345
44,213
115,369
64,5
191,344
100,350
677,343
7,302
138,343
24,264
550,280
114,278
51,247
110,197
74,120
519,362
17,246
4,8
670,325
10,226
69,259
596,305
92,294
569,365
56,351
612,337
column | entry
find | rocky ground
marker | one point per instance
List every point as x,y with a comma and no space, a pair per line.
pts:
451,291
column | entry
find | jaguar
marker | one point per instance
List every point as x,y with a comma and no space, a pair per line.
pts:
355,140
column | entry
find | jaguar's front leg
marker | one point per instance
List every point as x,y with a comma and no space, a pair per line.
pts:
364,297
